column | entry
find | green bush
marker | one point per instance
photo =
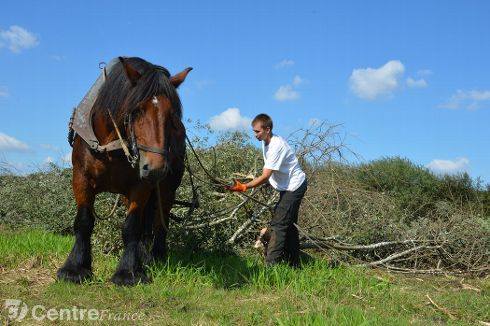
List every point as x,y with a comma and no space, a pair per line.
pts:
384,200
40,200
416,189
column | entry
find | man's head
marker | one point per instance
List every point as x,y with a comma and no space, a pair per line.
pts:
262,126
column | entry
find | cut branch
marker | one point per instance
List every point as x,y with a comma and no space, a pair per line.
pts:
442,309
393,256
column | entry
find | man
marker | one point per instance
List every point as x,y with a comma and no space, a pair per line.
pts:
282,170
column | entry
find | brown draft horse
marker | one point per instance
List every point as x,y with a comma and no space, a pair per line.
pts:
146,108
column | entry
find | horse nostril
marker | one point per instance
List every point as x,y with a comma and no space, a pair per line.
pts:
145,167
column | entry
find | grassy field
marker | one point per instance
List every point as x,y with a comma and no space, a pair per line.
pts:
207,288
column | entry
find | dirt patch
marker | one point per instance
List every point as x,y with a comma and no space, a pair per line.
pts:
32,273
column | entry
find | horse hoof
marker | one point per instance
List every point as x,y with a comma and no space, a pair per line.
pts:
74,275
127,278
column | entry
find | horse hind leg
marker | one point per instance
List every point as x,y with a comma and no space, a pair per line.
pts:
78,265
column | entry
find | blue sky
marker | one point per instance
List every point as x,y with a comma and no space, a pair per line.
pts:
404,78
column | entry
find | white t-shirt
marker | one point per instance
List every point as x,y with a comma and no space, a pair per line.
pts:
279,157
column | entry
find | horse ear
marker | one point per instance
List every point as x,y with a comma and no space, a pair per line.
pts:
132,74
180,77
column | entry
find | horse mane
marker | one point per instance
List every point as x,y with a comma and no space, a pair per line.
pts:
121,98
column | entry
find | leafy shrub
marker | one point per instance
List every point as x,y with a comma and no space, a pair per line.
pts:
40,200
384,200
416,189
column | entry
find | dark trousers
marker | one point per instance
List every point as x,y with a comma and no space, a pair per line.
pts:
284,242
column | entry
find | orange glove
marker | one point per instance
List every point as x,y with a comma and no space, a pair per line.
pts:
237,186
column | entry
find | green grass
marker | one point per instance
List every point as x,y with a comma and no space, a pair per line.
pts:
208,288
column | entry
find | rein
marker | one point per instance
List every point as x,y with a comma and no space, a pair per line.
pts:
218,181
131,159
132,153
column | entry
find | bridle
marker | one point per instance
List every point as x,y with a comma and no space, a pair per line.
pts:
132,154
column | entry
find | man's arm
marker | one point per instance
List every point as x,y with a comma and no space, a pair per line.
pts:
241,187
266,174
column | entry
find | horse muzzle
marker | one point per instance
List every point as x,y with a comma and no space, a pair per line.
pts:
152,168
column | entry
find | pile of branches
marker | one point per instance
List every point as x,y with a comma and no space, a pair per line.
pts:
388,213
340,217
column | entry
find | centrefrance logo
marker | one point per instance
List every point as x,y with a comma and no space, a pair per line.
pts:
17,310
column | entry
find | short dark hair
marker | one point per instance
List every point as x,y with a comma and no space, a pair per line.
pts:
264,119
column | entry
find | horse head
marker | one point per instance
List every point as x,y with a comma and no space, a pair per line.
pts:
152,118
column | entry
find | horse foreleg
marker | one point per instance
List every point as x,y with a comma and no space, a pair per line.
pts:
78,265
131,266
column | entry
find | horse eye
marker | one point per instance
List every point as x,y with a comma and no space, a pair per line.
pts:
138,111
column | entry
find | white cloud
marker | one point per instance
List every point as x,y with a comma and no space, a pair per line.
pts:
420,83
17,39
297,80
370,83
449,166
285,63
286,93
48,160
8,143
4,91
231,119
470,100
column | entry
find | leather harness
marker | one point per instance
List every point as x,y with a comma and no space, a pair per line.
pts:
81,119
81,124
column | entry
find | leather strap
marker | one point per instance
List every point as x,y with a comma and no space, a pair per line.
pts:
161,151
82,120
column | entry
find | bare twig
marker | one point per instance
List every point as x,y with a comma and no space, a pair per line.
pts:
211,223
327,242
440,308
249,222
240,230
392,257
